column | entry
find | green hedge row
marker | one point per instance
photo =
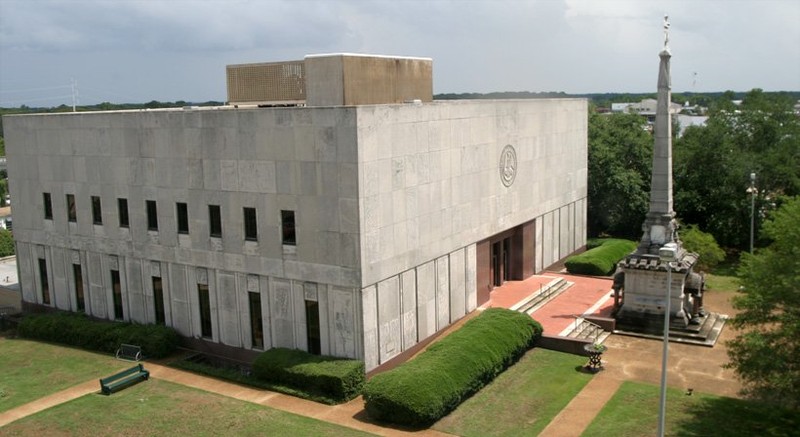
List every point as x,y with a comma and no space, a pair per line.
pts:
336,378
79,330
602,259
433,384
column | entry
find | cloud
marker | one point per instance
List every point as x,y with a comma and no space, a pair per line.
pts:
178,49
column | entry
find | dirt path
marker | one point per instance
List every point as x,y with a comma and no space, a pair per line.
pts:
49,401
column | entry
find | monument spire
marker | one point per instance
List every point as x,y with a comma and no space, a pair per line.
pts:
659,225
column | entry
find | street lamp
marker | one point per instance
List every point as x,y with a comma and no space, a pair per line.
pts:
668,253
752,191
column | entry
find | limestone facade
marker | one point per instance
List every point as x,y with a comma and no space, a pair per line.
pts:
390,204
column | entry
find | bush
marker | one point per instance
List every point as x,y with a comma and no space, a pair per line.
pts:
602,259
433,384
336,378
704,244
79,330
6,243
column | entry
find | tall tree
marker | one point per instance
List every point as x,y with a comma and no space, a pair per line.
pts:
766,355
620,155
713,163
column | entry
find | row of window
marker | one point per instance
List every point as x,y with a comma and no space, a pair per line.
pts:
182,210
254,299
313,336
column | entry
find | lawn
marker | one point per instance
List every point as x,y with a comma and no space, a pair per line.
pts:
633,411
523,399
33,369
157,407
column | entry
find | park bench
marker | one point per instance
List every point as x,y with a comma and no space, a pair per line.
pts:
120,380
129,352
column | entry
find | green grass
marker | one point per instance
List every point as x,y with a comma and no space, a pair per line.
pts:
633,411
30,370
157,407
721,283
523,399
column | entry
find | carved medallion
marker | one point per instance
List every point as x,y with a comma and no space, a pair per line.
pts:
508,165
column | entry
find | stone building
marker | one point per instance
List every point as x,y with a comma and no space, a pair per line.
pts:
332,207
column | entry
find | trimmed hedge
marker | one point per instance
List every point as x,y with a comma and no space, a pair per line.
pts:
336,378
433,384
602,260
79,330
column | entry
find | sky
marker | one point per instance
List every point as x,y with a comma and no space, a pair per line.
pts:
134,51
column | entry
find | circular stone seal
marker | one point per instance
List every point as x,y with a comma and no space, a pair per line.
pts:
508,165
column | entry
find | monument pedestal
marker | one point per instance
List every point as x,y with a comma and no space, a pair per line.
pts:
642,300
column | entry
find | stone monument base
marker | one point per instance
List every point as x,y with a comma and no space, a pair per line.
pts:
704,333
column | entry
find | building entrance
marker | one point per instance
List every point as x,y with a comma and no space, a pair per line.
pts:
506,256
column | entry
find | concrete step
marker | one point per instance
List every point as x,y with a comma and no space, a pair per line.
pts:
588,331
545,294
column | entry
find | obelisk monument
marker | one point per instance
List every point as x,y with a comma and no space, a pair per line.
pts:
643,303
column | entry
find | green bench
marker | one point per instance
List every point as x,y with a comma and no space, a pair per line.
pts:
120,380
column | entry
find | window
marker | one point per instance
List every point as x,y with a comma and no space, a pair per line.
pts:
312,327
250,224
256,322
97,212
183,217
43,280
205,310
214,221
78,276
152,215
48,206
116,290
158,300
287,226
72,214
122,206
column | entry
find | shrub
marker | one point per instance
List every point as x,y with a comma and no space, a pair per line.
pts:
602,259
79,330
6,243
433,384
704,244
336,378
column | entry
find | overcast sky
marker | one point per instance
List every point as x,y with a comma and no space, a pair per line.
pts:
167,50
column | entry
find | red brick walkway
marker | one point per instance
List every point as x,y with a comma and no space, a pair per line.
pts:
589,294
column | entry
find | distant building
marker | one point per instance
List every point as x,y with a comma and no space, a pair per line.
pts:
334,207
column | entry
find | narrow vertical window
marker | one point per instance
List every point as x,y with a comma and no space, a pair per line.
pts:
77,274
158,300
116,290
312,327
287,227
72,214
256,322
250,224
122,206
48,206
44,282
205,310
97,211
214,221
183,217
152,215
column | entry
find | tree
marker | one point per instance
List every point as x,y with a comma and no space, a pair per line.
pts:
712,164
766,355
620,156
704,244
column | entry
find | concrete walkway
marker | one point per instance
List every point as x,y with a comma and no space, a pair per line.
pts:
49,401
350,415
